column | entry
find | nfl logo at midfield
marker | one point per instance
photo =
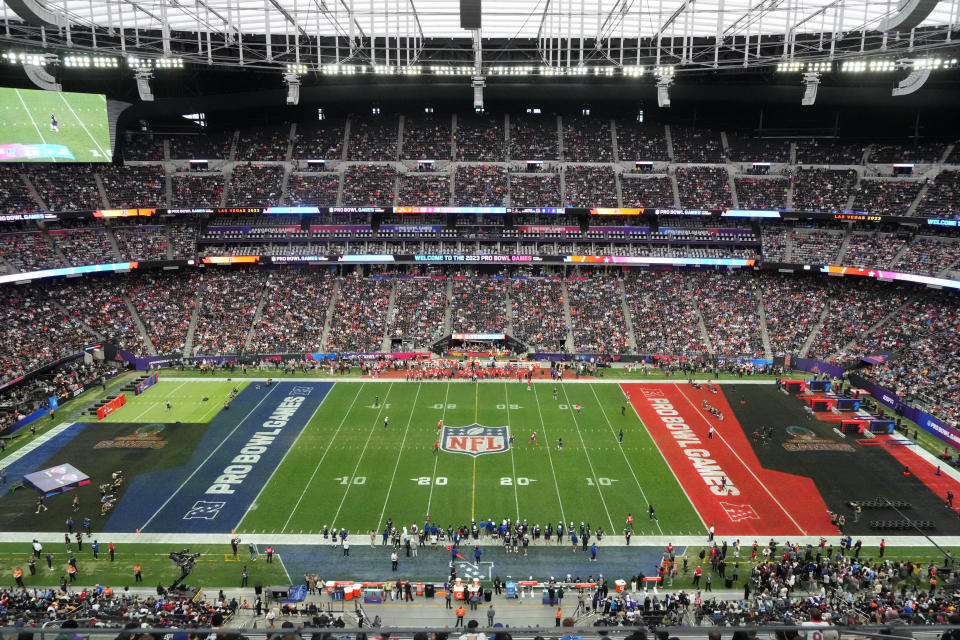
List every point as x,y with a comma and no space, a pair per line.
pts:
475,439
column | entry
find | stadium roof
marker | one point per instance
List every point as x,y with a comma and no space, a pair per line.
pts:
587,31
500,18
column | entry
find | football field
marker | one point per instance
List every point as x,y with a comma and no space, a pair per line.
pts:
26,135
348,470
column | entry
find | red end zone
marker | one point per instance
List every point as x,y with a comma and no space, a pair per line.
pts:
755,501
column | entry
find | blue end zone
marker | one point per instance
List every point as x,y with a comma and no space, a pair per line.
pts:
213,490
45,455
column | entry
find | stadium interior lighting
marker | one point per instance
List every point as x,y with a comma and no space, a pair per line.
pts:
143,77
292,81
19,57
341,70
796,66
853,66
634,71
298,69
87,62
169,63
811,82
139,63
789,67
501,70
603,71
664,71
881,66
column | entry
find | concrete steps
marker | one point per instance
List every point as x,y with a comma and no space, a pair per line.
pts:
192,329
813,332
258,313
391,309
151,350
764,333
628,320
567,317
330,307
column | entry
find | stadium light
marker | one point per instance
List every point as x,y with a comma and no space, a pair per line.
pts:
149,63
74,61
297,69
169,63
811,82
634,71
19,57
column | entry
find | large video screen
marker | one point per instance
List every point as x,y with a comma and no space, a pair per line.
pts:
53,126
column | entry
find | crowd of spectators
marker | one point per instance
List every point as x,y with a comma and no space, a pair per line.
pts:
590,186
816,246
762,193
14,195
664,314
294,312
852,309
479,305
696,145
34,331
373,138
925,368
67,187
320,140
927,256
536,306
84,245
923,153
205,146
638,141
535,190
427,189
146,147
360,312
134,186
426,137
533,137
886,197
182,238
145,242
419,306
823,189
256,185
792,306
647,192
587,139
942,199
191,190
728,304
316,189
814,151
479,138
369,185
224,321
872,250
745,149
99,303
263,143
704,187
165,302
596,314
29,251
480,185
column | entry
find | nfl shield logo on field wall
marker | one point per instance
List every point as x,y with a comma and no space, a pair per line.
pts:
475,439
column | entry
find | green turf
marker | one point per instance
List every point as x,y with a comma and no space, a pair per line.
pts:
186,402
347,471
82,117
215,568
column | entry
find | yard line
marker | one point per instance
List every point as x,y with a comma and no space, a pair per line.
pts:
322,458
283,566
70,106
675,477
306,424
476,414
546,440
436,457
393,477
625,459
30,115
147,410
205,460
737,455
360,459
516,495
613,527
